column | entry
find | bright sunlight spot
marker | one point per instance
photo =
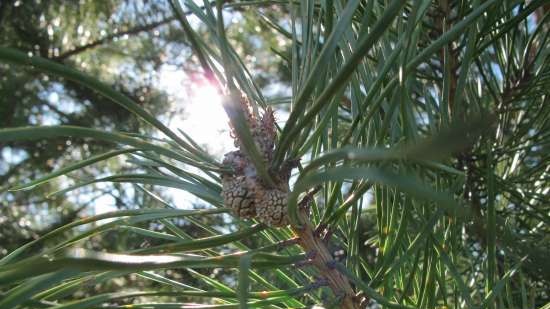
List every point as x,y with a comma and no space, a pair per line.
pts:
205,119
198,111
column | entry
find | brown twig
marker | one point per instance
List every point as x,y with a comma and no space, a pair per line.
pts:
111,37
321,258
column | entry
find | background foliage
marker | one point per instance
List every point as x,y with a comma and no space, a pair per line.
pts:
422,126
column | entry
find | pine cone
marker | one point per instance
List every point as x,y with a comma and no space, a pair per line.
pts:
271,207
237,196
265,135
237,160
250,118
243,191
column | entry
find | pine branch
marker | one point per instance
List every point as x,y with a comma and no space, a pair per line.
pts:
321,258
110,38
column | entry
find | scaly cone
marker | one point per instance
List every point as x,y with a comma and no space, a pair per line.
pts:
242,190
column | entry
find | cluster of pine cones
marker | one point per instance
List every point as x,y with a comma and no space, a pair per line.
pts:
242,190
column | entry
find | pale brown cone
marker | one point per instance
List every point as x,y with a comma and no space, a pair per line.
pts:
271,207
237,196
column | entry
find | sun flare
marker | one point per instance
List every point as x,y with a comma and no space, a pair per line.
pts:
205,119
198,111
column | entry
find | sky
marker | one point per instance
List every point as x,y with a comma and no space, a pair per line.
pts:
196,110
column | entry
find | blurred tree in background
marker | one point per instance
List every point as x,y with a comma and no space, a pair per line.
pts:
85,34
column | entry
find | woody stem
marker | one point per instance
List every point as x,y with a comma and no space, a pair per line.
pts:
322,259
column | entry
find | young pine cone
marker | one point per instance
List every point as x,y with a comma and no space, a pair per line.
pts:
262,128
237,160
237,196
266,134
271,207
